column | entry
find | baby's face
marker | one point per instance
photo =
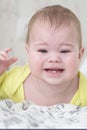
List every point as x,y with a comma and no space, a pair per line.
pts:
54,55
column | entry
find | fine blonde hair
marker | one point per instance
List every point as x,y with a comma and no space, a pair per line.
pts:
57,15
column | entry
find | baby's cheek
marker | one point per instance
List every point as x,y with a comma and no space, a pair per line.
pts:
73,65
36,64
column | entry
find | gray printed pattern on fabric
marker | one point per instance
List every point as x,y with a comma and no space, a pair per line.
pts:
29,115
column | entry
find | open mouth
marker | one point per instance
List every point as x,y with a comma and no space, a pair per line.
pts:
54,71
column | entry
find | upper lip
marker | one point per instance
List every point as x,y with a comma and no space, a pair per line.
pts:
54,68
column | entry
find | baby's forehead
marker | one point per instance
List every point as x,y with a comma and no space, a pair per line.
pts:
52,26
43,30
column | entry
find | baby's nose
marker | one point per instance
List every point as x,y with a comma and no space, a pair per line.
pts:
54,58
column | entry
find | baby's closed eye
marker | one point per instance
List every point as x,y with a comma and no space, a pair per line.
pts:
42,50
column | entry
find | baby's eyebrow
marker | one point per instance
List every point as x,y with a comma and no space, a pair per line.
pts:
66,44
41,44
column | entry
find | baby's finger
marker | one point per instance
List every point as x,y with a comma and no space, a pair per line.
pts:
8,50
3,58
3,54
12,60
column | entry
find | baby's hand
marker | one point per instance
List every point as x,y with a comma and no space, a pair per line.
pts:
5,60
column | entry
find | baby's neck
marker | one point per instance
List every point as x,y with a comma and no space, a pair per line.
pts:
45,94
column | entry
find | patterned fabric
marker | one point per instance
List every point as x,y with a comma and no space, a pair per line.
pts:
29,115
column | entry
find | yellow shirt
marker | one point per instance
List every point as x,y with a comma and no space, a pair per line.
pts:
11,86
11,83
80,97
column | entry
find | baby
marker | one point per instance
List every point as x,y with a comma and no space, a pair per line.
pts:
54,49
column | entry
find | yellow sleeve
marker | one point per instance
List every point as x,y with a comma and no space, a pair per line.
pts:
2,77
2,86
11,83
80,97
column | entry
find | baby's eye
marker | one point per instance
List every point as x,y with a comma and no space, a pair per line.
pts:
65,51
43,51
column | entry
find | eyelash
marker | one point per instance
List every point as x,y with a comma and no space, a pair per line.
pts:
42,51
45,51
65,51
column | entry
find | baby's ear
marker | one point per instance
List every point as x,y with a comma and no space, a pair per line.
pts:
81,53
